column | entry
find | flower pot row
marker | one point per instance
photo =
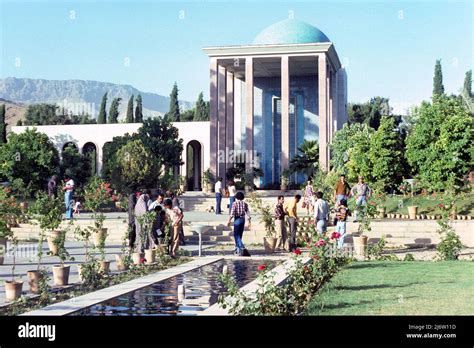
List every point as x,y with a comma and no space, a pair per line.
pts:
425,217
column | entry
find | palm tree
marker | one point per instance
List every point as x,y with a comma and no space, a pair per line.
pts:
306,161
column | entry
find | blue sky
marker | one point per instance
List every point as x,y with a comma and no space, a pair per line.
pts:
389,47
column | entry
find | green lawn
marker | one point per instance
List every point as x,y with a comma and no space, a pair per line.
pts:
428,204
398,288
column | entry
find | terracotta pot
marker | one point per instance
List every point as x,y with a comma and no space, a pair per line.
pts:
34,278
418,217
3,249
412,211
98,236
469,217
150,255
120,261
51,237
360,245
283,187
13,290
381,212
136,257
397,216
269,244
61,275
104,266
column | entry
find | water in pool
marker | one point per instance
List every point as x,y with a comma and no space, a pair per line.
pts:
202,288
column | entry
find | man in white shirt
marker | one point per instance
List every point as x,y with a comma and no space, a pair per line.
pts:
218,190
321,213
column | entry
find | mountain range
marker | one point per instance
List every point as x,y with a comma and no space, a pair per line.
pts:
80,96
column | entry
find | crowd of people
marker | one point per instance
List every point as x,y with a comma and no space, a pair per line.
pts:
168,220
286,216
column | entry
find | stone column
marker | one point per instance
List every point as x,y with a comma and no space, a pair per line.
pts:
213,115
249,112
323,111
230,116
285,113
221,112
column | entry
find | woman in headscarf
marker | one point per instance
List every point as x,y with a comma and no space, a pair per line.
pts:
140,209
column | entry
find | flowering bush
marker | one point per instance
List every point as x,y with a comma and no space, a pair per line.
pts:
305,277
9,211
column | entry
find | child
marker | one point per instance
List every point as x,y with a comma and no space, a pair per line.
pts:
342,212
77,207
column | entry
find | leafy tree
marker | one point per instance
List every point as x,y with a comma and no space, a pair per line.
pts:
74,165
386,150
41,114
201,111
102,117
139,110
359,163
129,118
438,88
109,151
306,161
29,156
467,88
188,115
3,125
370,112
137,166
114,110
344,140
440,146
174,113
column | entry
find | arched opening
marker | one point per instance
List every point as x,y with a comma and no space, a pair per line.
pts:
90,150
68,144
193,165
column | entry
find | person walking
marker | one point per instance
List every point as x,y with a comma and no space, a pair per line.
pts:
232,192
175,217
177,203
68,193
239,210
342,189
308,197
361,191
321,213
342,212
218,190
290,210
53,186
280,227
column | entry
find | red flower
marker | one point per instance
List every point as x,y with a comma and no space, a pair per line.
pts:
320,243
142,260
114,198
297,251
316,257
335,235
261,267
306,269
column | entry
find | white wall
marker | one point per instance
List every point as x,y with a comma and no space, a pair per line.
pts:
99,134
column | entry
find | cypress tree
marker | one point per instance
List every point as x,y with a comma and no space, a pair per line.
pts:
3,125
438,88
114,112
102,117
201,113
173,113
468,83
129,118
139,110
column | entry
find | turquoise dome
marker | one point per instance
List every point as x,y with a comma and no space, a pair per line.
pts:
290,31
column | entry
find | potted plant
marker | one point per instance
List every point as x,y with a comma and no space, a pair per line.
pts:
380,199
97,194
208,178
266,217
61,271
13,287
285,180
146,222
123,260
365,214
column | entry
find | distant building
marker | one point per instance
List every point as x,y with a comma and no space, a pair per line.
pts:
267,97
